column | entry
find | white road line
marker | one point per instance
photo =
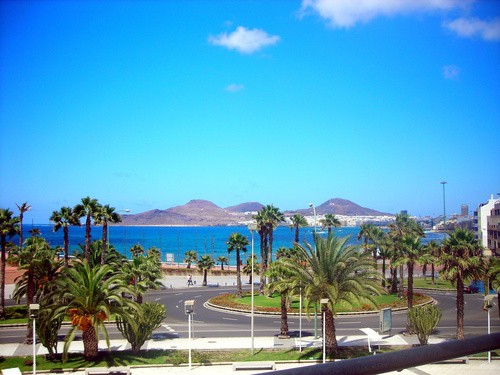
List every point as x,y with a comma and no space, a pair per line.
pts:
229,319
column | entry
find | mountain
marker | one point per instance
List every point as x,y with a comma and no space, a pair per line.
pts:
198,212
246,207
340,206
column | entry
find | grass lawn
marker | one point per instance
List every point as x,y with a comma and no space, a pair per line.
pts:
438,283
273,304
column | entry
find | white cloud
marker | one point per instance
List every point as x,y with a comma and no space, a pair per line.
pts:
346,13
244,40
234,87
488,30
451,72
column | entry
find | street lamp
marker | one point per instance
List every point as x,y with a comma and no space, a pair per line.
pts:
252,227
444,210
34,308
315,305
324,302
189,309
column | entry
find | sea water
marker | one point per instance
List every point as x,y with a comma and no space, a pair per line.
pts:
174,242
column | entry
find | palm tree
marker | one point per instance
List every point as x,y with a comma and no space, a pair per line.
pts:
113,257
89,296
104,215
262,230
273,216
222,260
8,228
136,250
330,221
376,236
461,261
280,274
63,219
247,268
412,253
205,263
365,231
330,273
433,248
22,209
385,252
34,252
236,242
191,256
144,273
297,221
89,207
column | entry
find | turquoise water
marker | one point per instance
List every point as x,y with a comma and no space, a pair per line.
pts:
177,240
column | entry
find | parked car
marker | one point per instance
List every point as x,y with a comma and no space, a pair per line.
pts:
470,289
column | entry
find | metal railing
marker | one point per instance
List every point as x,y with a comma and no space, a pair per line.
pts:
402,359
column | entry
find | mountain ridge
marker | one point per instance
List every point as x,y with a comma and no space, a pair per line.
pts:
199,212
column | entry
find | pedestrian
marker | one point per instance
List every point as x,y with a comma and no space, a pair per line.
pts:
190,280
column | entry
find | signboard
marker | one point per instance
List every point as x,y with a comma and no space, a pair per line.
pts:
169,258
385,320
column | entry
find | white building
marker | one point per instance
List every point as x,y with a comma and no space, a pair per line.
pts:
481,222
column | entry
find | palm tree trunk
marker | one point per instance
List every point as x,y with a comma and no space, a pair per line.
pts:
90,343
270,256
284,316
263,263
432,272
383,272
87,239
104,241
66,245
394,286
21,230
2,278
401,288
330,337
424,272
297,233
238,276
409,330
460,307
205,277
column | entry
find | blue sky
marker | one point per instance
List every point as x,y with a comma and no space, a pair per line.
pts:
149,104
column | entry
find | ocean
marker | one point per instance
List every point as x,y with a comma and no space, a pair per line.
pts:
175,241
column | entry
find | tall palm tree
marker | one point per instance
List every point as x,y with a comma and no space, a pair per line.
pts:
412,253
88,207
330,221
297,221
273,216
247,268
461,260
22,209
34,252
385,253
63,219
8,228
113,257
89,296
365,231
204,264
136,250
329,272
262,230
433,248
376,236
191,256
105,215
223,260
237,242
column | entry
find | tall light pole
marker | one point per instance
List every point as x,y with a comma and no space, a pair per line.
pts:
34,308
252,227
316,304
444,209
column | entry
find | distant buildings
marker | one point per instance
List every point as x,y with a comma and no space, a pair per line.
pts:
464,210
481,225
493,224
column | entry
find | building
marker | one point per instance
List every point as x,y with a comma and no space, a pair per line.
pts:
494,230
481,222
464,210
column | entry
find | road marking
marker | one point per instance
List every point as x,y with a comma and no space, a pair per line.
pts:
178,294
199,295
229,319
157,299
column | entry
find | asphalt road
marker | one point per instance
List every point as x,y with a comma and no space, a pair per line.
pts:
216,323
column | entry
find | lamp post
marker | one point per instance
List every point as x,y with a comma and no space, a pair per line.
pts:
252,227
189,310
444,210
323,302
34,308
316,304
